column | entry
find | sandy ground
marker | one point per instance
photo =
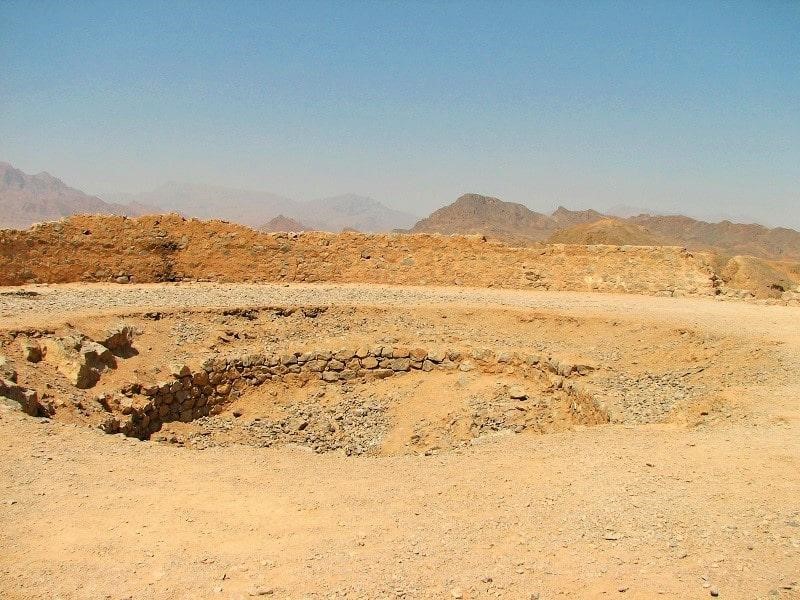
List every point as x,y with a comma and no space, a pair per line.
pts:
610,511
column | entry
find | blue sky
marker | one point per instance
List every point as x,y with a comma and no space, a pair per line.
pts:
670,106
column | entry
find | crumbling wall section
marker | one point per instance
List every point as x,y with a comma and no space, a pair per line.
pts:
171,248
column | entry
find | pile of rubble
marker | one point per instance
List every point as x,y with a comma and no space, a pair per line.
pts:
355,427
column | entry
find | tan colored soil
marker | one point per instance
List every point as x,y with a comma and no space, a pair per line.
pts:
678,497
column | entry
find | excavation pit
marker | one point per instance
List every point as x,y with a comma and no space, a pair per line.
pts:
364,380
413,412
345,399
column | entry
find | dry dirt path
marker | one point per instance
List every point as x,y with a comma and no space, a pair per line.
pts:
611,511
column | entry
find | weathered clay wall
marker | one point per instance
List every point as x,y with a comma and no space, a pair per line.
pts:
169,248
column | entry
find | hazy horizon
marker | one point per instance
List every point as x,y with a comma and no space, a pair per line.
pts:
672,107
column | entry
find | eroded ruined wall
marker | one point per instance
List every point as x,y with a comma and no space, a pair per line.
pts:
170,248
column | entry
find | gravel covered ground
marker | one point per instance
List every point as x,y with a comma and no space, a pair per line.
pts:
633,511
40,303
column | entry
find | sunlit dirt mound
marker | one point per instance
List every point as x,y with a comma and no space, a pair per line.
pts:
763,278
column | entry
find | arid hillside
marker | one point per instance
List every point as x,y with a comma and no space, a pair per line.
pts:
770,277
607,231
27,199
476,214
752,271
779,243
171,248
517,224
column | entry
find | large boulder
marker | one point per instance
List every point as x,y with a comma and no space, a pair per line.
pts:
19,397
119,340
79,359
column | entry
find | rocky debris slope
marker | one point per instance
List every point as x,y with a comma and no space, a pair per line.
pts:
358,419
356,427
80,360
170,248
650,398
762,278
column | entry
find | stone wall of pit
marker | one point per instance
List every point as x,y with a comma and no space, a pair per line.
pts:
140,410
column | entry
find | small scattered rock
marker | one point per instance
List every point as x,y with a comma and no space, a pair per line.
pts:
7,370
31,350
515,392
179,370
20,398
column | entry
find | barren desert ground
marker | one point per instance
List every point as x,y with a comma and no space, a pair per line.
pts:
672,471
428,300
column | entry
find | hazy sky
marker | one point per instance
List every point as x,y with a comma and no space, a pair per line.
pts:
671,106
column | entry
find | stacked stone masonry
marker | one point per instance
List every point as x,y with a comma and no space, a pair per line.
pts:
194,393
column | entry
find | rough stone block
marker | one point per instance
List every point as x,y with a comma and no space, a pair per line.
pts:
7,370
418,354
119,340
370,362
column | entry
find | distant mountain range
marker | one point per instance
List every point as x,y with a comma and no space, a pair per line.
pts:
255,208
281,223
517,224
27,199
350,211
210,202
506,221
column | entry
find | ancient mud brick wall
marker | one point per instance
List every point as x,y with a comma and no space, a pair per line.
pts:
170,248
